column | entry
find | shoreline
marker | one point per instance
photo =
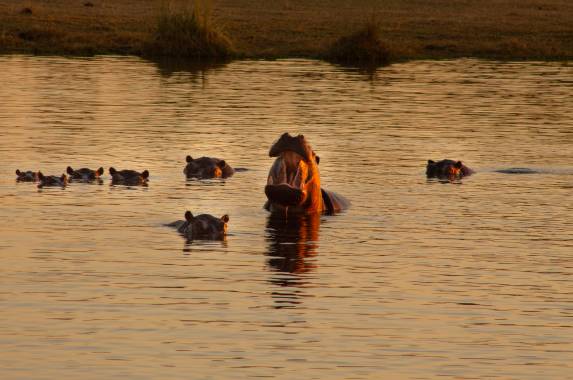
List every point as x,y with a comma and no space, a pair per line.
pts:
496,30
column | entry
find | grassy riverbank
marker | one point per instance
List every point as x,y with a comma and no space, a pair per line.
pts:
410,29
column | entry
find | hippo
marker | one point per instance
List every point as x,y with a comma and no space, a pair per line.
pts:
293,184
52,180
207,167
27,176
447,169
202,226
128,177
84,174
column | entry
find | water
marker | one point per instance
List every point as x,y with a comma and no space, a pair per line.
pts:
418,279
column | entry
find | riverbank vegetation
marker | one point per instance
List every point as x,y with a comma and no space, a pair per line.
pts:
188,30
363,48
409,29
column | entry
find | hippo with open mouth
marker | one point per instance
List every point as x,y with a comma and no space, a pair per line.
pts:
26,176
447,169
84,174
207,167
293,183
128,177
52,180
202,226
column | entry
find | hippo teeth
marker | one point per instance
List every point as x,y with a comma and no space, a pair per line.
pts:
293,180
297,180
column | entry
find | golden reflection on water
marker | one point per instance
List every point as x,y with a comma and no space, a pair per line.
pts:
418,279
292,239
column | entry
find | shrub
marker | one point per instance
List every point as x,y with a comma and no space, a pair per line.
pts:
188,31
363,48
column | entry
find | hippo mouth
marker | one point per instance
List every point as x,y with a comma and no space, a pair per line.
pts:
285,194
287,180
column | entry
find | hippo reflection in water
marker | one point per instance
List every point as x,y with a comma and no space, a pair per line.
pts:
84,174
291,240
293,184
202,226
292,244
447,169
207,167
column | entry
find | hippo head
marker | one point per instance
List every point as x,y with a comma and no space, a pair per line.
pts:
128,177
294,179
204,226
27,176
447,169
207,167
84,174
52,180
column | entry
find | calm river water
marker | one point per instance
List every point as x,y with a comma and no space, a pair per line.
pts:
418,279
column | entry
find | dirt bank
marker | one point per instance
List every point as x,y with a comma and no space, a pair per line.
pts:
506,29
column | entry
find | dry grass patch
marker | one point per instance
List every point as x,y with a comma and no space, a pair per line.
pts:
188,30
411,29
363,48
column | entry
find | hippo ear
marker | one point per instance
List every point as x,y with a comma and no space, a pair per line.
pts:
40,176
145,174
189,159
99,171
188,216
458,165
430,162
18,172
221,164
317,159
69,170
112,171
225,218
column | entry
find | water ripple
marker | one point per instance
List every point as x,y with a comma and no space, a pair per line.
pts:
418,279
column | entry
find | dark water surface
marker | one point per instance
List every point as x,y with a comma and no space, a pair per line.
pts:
418,279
